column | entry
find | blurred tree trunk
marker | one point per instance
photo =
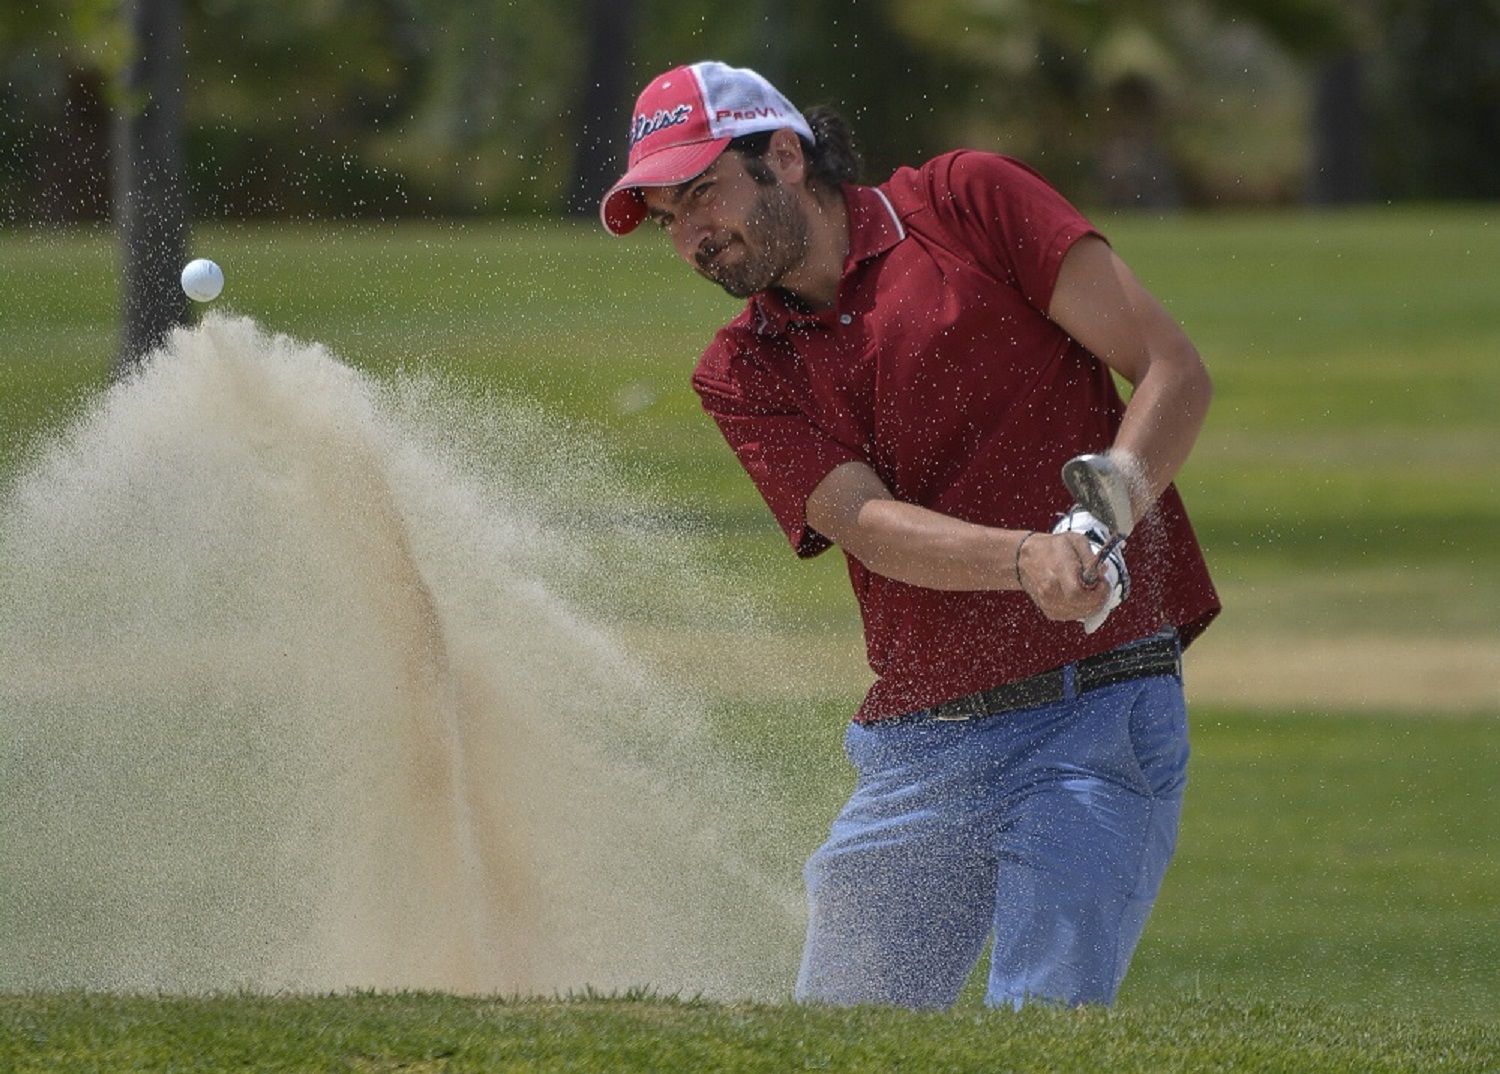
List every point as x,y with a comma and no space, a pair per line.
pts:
603,111
149,178
1441,104
74,181
1135,167
1341,149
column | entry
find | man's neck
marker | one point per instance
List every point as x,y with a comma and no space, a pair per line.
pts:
815,284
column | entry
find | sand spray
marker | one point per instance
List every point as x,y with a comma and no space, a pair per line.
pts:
301,688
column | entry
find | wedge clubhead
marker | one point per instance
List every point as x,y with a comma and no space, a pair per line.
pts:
1101,489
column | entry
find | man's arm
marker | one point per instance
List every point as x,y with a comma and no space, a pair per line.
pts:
853,508
1099,302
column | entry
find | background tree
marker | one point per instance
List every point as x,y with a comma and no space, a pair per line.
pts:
1127,102
1437,98
1339,172
150,192
609,29
390,108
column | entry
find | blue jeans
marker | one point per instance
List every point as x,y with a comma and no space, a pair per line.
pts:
1047,830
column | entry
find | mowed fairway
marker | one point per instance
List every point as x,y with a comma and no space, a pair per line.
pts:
1335,899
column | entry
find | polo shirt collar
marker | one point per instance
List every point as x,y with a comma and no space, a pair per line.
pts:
874,228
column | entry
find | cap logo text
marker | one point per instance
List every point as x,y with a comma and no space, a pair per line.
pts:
763,112
645,126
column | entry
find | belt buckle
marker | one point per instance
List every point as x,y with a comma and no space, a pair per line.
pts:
963,709
957,717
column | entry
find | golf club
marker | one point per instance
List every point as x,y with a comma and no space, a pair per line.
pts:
1101,488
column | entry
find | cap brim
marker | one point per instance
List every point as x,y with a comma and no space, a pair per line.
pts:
623,208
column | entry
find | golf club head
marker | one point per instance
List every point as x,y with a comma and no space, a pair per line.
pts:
1101,489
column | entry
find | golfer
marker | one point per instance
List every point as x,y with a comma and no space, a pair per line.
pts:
915,362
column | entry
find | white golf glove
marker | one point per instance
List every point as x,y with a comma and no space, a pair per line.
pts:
1112,571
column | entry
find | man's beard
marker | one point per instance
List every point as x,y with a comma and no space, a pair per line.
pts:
782,243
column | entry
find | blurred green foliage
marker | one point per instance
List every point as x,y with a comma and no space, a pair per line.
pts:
401,108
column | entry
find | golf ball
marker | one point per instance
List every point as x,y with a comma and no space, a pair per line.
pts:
202,280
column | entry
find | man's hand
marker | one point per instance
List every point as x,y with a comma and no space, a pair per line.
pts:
1051,568
1106,569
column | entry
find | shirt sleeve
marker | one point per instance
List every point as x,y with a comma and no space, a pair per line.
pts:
1020,227
784,452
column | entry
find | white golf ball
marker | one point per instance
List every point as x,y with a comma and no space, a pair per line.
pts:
202,280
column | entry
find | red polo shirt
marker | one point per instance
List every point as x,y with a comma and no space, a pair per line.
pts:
938,367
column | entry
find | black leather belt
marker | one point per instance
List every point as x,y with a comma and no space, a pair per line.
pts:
1139,660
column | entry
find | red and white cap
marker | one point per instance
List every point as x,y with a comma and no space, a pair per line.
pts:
683,120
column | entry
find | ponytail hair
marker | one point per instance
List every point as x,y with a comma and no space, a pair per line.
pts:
833,160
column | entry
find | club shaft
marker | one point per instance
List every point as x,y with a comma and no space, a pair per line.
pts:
1090,574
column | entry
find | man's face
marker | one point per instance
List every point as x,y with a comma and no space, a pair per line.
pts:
743,235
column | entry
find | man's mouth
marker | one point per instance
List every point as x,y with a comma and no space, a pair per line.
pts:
708,252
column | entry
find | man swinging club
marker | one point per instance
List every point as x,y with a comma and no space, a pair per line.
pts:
915,364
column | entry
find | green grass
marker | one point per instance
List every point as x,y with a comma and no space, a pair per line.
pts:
1333,859
1334,899
1354,424
435,1033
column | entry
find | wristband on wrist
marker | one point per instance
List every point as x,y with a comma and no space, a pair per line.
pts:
1021,585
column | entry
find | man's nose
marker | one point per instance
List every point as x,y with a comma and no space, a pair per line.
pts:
688,231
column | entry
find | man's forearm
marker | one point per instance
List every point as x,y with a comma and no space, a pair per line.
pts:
1162,421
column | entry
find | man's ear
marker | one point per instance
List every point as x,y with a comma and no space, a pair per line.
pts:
784,156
